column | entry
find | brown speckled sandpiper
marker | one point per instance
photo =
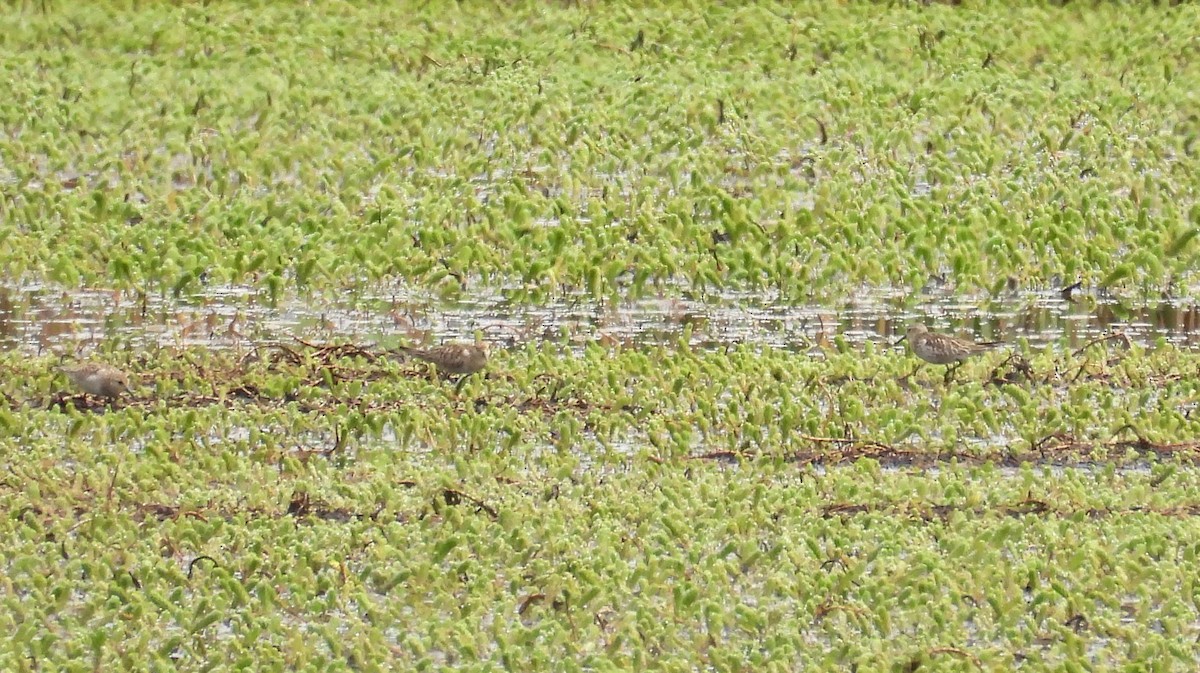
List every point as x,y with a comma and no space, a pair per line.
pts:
942,349
457,359
97,379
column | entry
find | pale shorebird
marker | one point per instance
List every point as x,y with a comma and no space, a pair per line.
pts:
457,359
942,349
97,379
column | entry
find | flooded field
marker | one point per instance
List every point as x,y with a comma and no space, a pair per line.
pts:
561,336
37,318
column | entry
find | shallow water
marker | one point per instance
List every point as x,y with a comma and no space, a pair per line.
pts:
36,318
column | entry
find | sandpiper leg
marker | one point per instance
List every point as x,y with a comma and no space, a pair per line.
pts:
915,370
950,372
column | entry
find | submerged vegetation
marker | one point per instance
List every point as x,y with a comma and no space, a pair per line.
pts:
693,497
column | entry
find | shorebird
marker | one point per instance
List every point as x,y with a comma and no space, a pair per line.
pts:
942,349
457,359
97,379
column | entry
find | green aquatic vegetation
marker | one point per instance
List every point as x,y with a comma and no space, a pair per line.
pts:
1001,565
551,150
671,501
676,403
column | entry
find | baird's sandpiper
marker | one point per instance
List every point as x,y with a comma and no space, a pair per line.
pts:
942,349
97,379
457,359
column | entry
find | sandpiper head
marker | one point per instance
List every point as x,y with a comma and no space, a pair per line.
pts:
120,383
913,330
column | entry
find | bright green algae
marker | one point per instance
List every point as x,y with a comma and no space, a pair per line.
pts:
550,148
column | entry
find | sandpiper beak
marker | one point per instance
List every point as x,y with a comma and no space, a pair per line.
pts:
900,340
